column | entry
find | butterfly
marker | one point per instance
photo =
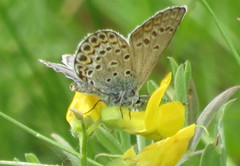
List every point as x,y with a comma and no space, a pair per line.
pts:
114,68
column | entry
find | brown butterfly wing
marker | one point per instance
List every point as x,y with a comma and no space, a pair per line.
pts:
149,40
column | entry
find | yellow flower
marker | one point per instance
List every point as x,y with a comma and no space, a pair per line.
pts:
166,152
156,122
88,105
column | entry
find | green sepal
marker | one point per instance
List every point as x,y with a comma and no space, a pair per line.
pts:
32,158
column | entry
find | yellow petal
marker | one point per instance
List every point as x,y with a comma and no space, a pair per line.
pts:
123,119
171,118
130,156
152,106
166,152
84,103
150,134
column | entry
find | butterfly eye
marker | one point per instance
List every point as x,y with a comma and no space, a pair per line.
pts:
73,87
133,92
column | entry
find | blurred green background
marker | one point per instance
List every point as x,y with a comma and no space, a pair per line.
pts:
42,29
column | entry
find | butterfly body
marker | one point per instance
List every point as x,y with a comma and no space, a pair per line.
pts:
113,68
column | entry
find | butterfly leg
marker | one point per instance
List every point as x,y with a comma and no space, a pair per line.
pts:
137,104
120,102
129,113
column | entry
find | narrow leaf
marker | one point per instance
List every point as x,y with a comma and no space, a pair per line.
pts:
219,133
125,140
192,103
187,73
180,86
174,65
108,141
72,158
209,112
223,33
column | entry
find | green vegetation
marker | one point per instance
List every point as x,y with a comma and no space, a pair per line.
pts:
39,97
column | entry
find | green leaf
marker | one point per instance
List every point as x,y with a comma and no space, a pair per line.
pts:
108,141
210,156
32,158
192,103
72,158
180,85
187,73
189,159
125,140
219,132
174,65
208,113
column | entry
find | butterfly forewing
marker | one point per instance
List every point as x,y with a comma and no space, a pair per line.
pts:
149,40
104,60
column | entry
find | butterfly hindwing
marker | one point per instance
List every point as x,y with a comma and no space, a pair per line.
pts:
104,60
66,69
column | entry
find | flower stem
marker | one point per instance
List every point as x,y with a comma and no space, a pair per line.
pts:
141,142
93,127
38,135
225,37
18,163
83,144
